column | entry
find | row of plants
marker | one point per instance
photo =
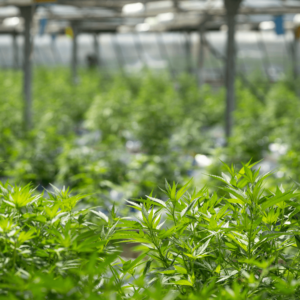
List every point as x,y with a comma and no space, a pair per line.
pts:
127,134
192,245
265,129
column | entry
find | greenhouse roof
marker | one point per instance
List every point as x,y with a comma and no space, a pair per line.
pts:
95,16
147,15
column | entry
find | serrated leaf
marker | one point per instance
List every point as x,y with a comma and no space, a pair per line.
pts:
100,215
183,282
228,276
186,210
180,270
158,201
226,178
277,199
168,272
217,177
218,269
147,267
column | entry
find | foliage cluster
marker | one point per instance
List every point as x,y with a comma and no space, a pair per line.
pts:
244,245
259,124
265,129
129,132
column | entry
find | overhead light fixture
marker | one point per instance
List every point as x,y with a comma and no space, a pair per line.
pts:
142,27
124,29
133,8
165,17
151,21
267,25
11,22
297,19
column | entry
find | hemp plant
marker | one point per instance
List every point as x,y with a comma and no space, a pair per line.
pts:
191,245
243,245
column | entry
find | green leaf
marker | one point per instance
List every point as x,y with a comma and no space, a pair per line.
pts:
217,177
135,262
26,235
234,201
203,247
181,192
100,215
134,205
188,208
173,192
218,269
158,201
41,219
168,272
277,199
183,282
180,270
297,238
147,267
228,276
226,178
239,195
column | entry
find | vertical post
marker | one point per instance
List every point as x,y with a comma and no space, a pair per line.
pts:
96,50
295,58
141,52
296,62
74,61
296,53
232,7
164,53
188,52
55,50
27,14
15,51
175,5
201,54
118,53
265,59
52,47
138,51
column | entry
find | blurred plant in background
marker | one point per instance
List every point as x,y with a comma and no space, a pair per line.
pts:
119,136
135,132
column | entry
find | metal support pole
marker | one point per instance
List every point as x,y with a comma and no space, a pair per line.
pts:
141,51
175,5
265,59
232,7
27,14
118,53
3,59
164,53
56,53
138,51
97,50
295,58
15,51
188,52
295,61
201,54
53,50
74,61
